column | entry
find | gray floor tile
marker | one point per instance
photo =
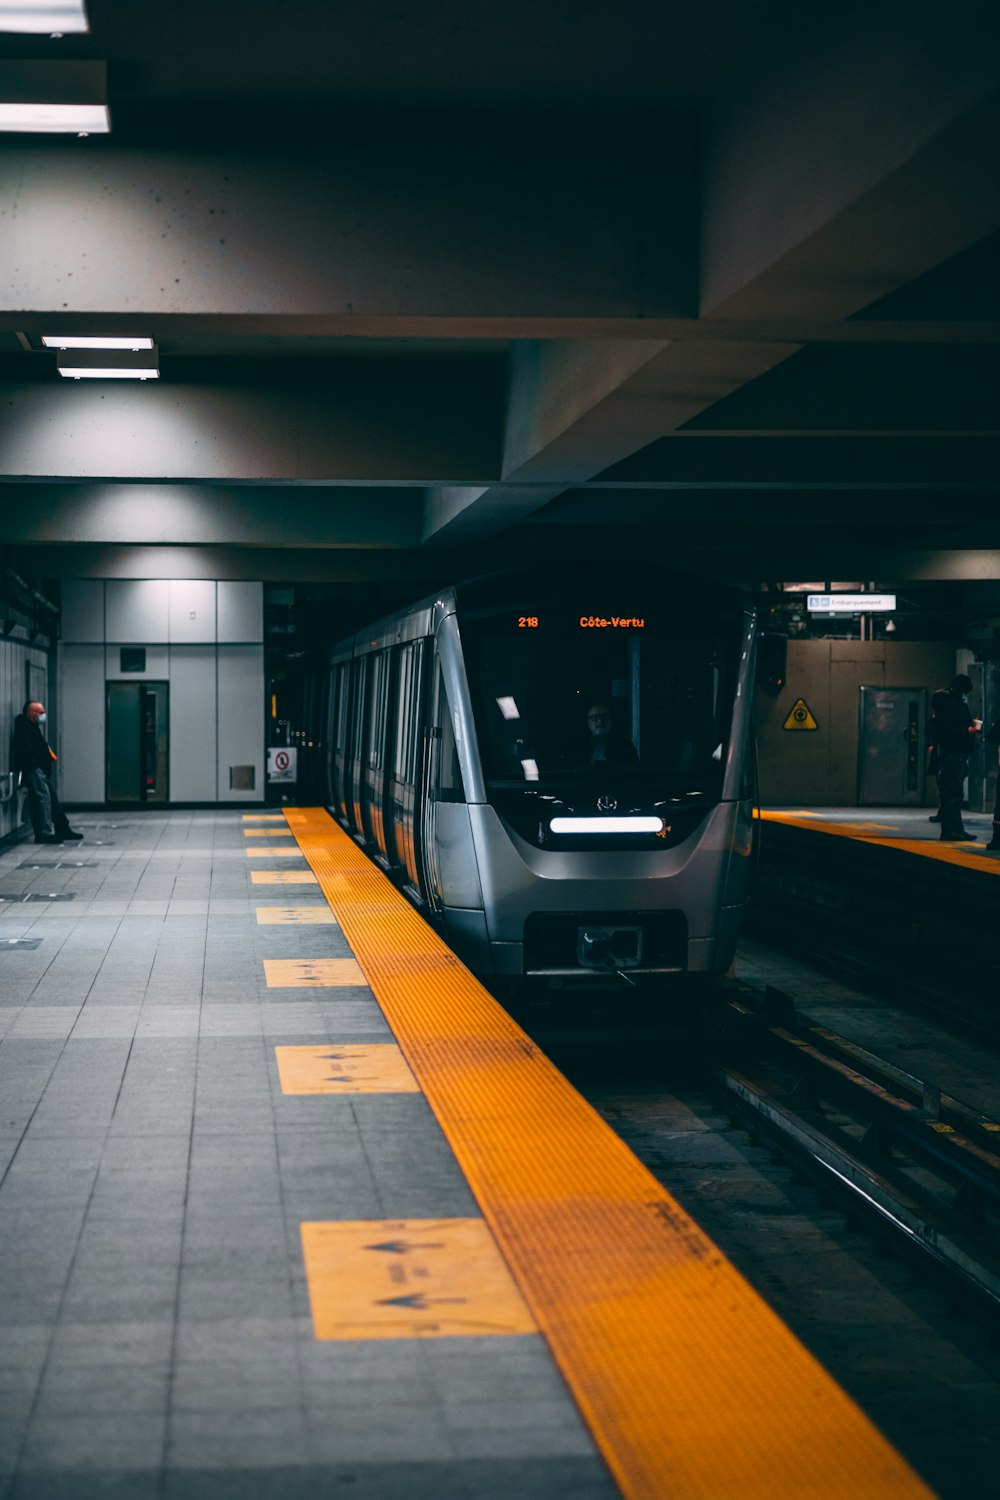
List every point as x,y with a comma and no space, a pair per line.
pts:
150,1220
93,1441
262,1438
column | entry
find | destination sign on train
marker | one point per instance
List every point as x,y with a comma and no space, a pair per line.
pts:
850,604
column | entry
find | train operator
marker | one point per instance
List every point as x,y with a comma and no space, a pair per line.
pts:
607,747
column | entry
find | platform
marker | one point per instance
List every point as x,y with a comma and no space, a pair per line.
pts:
906,829
292,1207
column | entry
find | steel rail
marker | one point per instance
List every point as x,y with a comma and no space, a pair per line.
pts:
911,1165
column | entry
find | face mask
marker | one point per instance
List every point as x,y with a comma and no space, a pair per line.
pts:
41,718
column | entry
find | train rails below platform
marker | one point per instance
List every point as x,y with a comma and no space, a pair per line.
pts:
895,1150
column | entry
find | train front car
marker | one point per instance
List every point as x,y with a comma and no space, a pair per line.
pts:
612,812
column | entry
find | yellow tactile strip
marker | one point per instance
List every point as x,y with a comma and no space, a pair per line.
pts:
951,854
690,1384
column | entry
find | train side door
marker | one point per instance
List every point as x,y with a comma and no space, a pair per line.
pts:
407,764
437,716
442,788
356,745
338,737
376,739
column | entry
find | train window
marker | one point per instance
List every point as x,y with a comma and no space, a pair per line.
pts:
359,685
448,781
647,696
376,710
404,716
408,718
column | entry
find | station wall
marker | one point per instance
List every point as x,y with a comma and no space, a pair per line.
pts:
205,639
819,768
24,673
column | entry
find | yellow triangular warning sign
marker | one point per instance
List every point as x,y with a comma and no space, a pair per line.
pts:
800,716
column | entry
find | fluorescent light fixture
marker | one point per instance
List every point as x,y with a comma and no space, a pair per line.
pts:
52,98
530,769
109,364
89,341
508,708
43,17
607,825
55,119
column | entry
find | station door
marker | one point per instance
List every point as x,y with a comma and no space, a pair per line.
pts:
892,748
137,742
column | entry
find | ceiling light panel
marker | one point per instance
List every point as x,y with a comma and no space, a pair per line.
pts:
43,17
55,119
108,364
93,341
48,98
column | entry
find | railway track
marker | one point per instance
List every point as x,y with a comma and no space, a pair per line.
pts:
857,1197
897,1152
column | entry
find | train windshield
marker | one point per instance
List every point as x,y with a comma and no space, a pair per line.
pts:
563,698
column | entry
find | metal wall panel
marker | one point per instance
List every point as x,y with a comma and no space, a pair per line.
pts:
82,610
240,612
136,610
818,768
157,665
241,719
81,741
192,611
193,734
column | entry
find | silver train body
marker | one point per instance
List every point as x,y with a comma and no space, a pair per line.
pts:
458,758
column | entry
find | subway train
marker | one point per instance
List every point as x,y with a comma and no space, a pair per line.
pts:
557,770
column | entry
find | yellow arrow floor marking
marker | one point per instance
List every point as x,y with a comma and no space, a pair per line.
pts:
295,973
339,1068
265,833
282,877
410,1278
274,916
278,851
263,817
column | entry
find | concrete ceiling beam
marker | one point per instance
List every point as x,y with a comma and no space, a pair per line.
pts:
203,516
576,408
381,224
841,169
411,425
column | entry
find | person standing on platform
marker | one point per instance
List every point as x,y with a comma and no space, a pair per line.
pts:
953,732
33,760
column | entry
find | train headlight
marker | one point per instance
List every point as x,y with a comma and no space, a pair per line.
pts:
634,824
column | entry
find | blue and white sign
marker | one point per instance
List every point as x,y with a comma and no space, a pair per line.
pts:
850,604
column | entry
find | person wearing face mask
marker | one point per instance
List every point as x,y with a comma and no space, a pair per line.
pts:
953,733
31,757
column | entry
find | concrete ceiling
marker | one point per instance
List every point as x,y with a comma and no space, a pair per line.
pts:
437,283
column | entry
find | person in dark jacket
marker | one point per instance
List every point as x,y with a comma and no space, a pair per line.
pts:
953,733
31,758
605,746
